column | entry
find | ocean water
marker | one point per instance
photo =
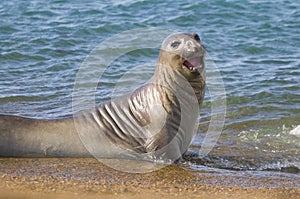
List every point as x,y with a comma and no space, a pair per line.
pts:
254,45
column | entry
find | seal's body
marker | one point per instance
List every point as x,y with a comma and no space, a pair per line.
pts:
157,120
25,137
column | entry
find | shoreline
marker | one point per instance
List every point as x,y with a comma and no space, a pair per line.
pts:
88,178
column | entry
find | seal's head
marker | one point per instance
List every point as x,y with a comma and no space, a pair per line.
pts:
184,52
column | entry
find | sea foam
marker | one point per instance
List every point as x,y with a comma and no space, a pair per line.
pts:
295,131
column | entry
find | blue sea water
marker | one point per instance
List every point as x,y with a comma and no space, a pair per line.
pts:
253,43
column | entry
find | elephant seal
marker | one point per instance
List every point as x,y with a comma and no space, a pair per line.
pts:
156,120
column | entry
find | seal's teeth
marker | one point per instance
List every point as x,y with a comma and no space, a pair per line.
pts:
190,66
187,64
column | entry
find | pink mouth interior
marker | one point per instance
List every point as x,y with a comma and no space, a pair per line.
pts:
192,63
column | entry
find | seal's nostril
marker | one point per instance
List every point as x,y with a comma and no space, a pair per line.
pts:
196,37
190,46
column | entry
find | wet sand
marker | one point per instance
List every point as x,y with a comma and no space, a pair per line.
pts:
88,178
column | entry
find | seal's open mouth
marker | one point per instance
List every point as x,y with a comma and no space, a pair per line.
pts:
192,64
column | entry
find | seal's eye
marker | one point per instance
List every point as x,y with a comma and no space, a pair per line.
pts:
175,44
197,38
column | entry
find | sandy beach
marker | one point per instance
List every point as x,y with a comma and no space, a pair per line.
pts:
89,178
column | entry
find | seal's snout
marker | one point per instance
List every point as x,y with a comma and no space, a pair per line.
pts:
193,44
193,55
191,47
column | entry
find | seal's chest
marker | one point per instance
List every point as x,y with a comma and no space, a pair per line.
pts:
158,118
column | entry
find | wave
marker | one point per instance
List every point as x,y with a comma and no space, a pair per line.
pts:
255,145
239,163
295,131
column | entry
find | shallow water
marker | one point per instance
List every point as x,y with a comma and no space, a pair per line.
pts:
254,44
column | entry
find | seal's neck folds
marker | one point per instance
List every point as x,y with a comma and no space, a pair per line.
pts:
176,84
